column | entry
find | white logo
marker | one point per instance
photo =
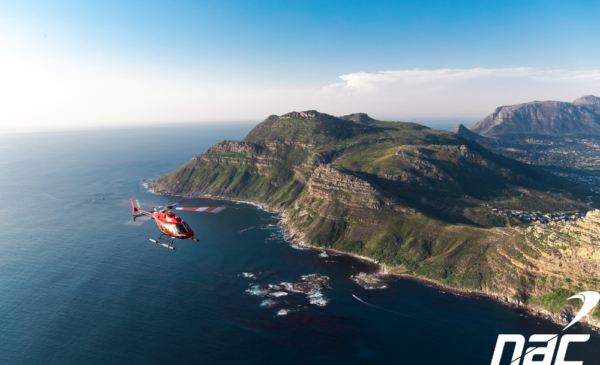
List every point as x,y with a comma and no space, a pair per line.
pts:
589,298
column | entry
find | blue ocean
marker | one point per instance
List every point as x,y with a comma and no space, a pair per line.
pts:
77,287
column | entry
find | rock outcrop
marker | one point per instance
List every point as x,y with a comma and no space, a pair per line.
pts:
307,129
239,153
588,229
570,250
334,183
360,118
234,146
588,100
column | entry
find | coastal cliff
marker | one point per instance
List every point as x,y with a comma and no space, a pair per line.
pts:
410,197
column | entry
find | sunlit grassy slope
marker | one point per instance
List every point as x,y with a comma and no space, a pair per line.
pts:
424,211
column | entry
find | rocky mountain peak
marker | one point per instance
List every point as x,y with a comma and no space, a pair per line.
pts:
460,128
304,128
308,114
588,100
361,118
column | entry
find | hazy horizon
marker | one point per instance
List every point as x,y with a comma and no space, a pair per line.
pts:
443,123
70,66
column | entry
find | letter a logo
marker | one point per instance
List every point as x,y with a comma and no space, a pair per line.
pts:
590,299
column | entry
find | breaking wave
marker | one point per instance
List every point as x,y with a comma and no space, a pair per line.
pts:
278,294
256,290
268,303
317,299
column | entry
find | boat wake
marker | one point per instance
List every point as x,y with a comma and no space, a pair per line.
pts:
374,306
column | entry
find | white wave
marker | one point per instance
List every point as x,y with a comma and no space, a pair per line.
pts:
246,202
289,288
374,287
319,301
283,312
247,229
278,294
316,298
255,290
267,303
297,247
148,190
248,275
323,254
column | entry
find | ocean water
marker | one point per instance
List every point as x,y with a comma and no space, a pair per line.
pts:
77,287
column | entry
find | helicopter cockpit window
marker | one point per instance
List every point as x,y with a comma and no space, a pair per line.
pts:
181,228
187,226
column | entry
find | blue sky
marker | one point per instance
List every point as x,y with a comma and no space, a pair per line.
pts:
249,59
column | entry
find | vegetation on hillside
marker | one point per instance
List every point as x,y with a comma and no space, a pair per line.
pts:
409,196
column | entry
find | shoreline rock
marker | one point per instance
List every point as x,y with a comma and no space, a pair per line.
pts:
373,281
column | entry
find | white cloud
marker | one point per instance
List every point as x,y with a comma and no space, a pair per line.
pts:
456,92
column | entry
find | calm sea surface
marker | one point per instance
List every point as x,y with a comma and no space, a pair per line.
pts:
77,287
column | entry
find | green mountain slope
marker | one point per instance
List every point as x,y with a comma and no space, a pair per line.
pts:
409,196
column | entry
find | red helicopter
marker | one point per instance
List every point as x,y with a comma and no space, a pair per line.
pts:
167,222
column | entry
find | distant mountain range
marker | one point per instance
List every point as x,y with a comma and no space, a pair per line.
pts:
553,118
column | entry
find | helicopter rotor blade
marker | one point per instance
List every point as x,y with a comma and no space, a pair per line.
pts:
203,209
137,221
126,203
184,199
140,205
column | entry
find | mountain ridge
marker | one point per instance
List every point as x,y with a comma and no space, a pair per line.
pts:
582,116
413,198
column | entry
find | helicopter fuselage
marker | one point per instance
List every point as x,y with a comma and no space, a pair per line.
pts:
169,223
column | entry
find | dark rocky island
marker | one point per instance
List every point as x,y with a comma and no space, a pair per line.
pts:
412,198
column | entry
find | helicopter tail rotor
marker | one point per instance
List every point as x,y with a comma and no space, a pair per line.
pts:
134,209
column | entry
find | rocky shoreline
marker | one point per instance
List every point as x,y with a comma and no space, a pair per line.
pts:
533,310
298,238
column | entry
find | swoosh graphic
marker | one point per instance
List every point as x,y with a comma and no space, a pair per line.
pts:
590,299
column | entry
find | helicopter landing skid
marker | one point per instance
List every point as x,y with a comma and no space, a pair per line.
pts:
171,242
170,245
